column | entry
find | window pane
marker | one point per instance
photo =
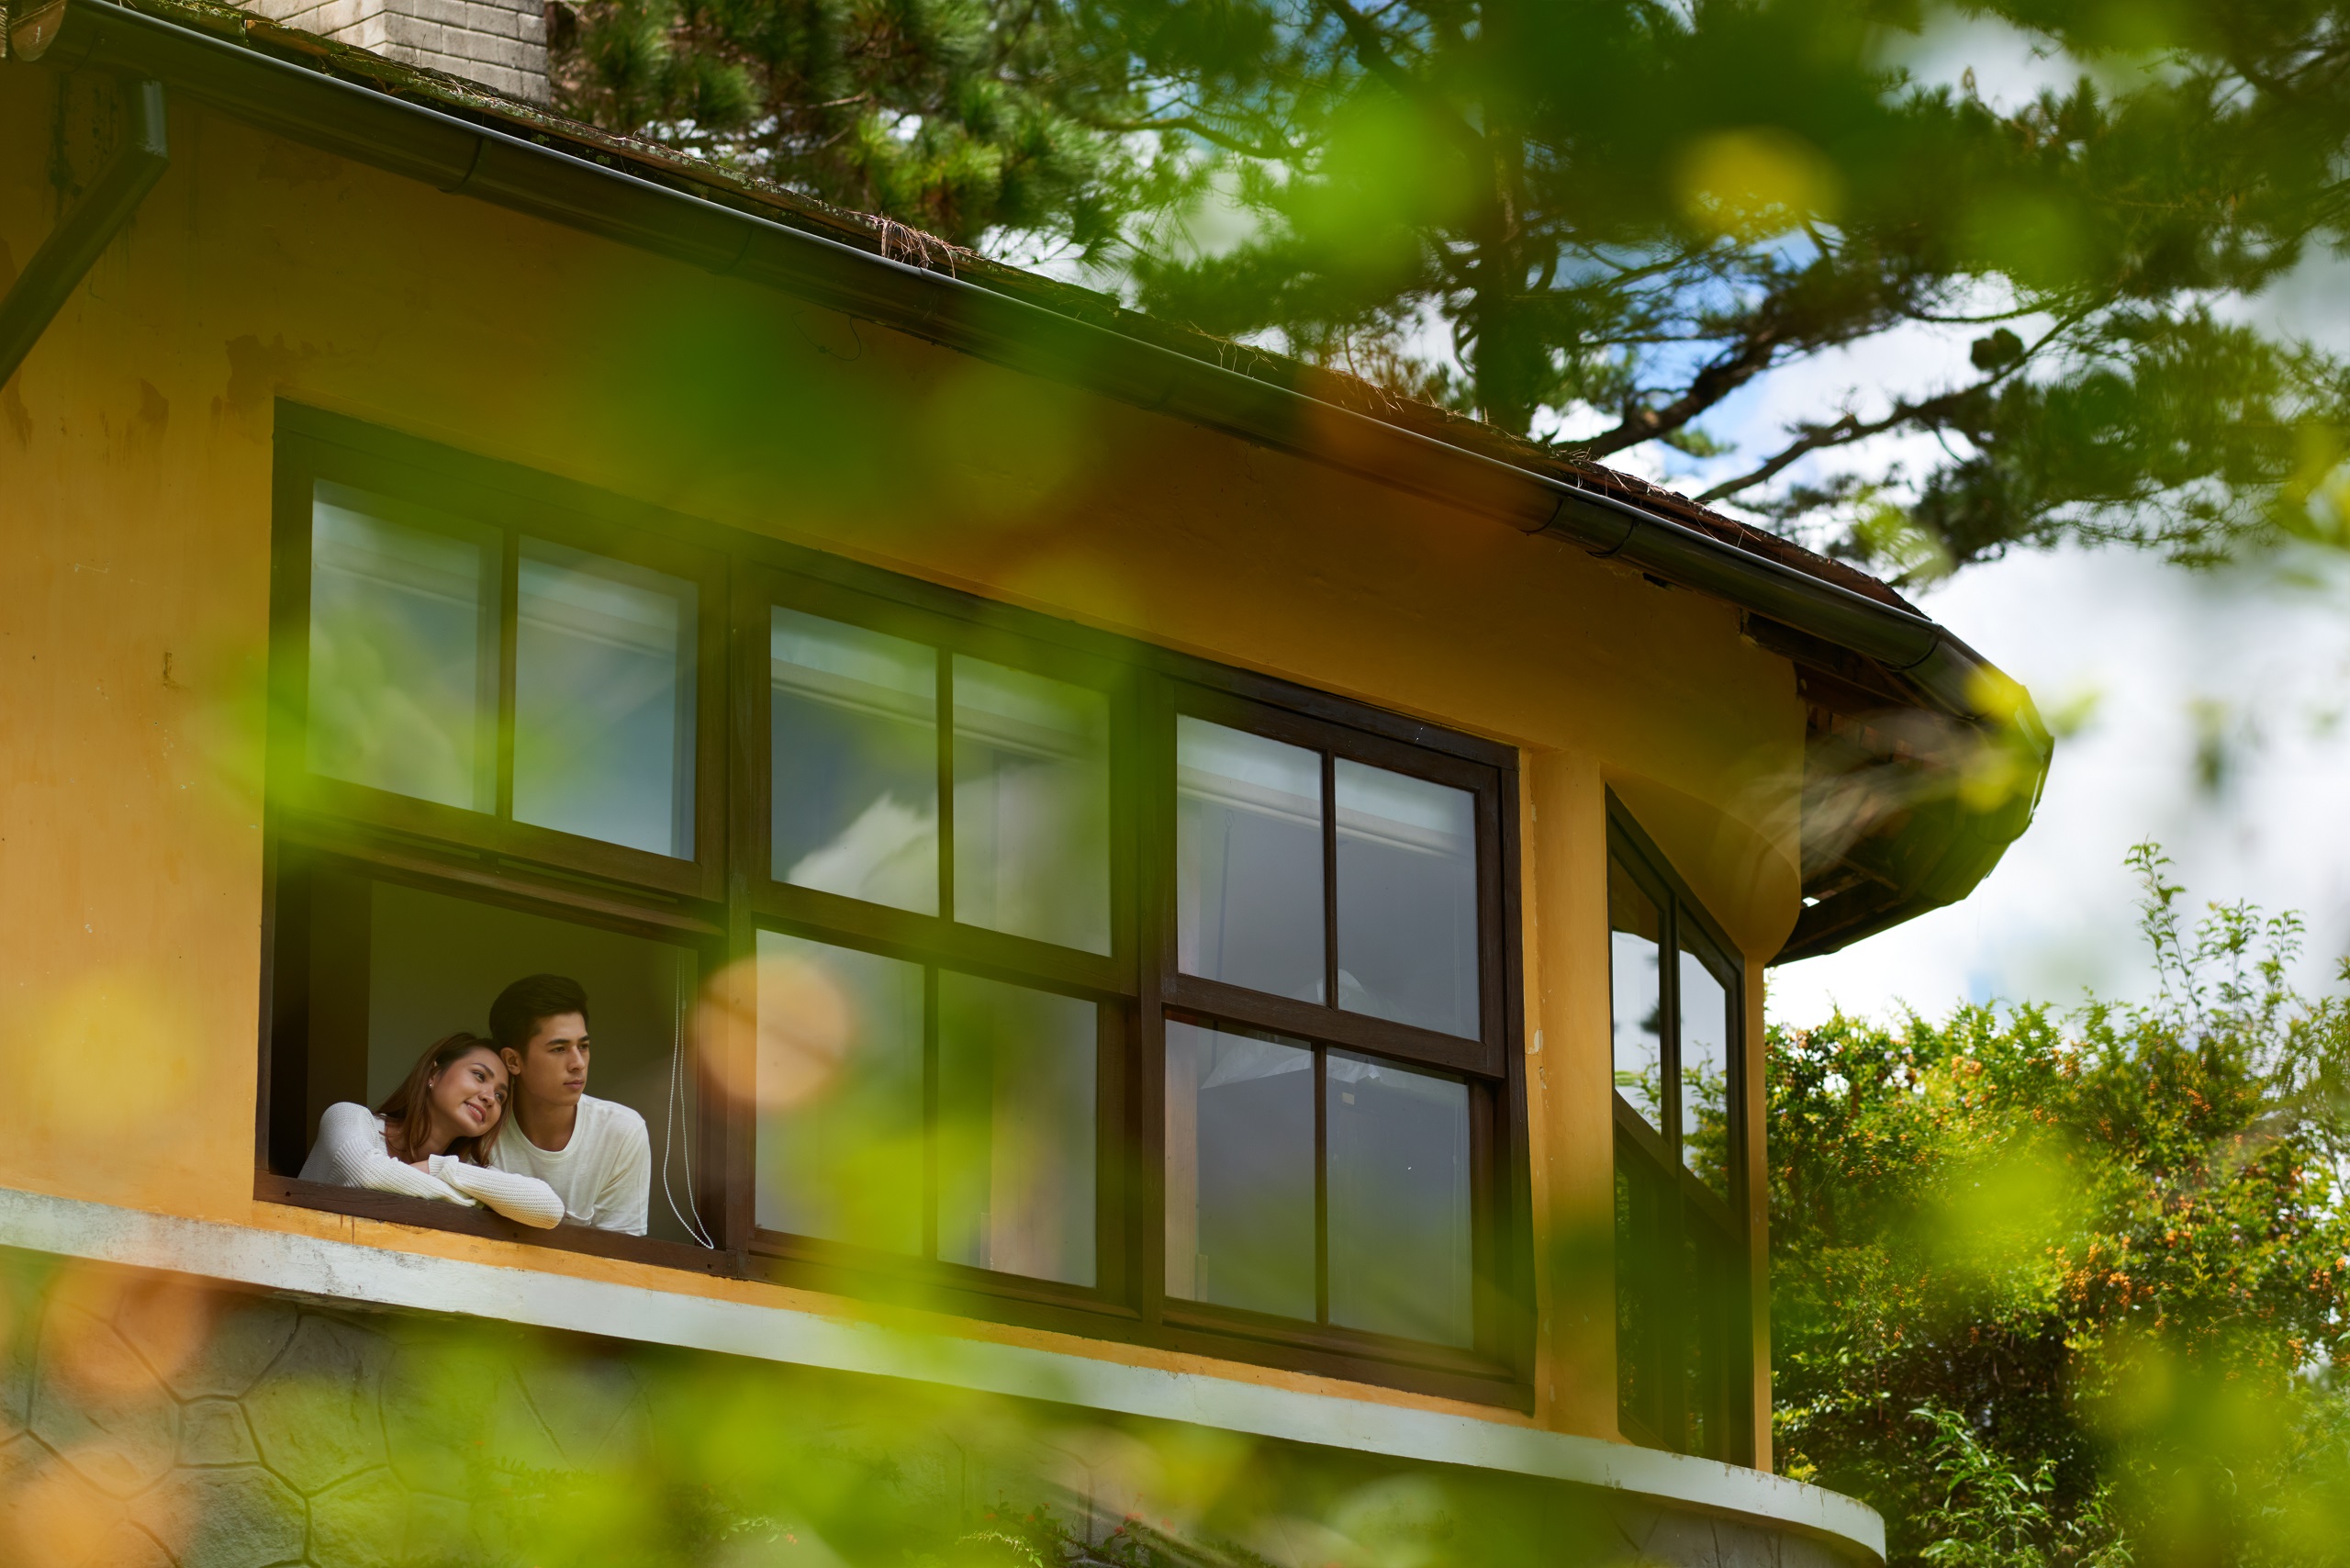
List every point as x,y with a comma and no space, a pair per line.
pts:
1239,1170
840,1094
403,652
1709,1285
1248,861
1398,1201
1704,1073
1016,1116
1642,1332
854,739
1407,899
1031,805
604,700
1634,933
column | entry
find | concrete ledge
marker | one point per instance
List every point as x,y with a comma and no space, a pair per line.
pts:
347,1271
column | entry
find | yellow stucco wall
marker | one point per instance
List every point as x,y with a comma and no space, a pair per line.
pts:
135,455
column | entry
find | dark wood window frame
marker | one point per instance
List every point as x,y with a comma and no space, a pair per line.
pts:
715,905
1659,1194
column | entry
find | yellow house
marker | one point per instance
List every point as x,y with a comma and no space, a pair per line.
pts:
1121,874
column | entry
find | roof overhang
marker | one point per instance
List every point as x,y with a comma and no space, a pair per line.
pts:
1926,761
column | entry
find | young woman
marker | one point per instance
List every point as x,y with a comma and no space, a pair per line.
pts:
432,1138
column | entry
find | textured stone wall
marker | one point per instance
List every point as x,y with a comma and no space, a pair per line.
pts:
149,1422
501,44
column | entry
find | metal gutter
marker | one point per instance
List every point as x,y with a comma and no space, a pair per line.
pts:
422,142
73,247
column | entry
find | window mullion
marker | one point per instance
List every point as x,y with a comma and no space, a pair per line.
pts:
1329,881
946,725
930,1111
1668,993
1322,1183
509,595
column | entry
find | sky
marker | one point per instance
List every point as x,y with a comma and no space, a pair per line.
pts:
2258,664
2212,706
2209,708
2212,709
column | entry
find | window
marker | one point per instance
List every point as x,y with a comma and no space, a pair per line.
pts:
951,954
1681,1271
1331,1083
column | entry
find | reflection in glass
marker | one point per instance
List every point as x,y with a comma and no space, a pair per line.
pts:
1407,899
854,739
1239,1170
1399,1223
1031,805
403,652
1634,983
839,1087
1248,861
1016,1113
1641,1302
1711,1285
603,699
1704,1073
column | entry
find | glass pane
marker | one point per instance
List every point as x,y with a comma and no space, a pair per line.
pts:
1398,1201
839,1088
1248,861
1704,1073
604,700
1031,805
1016,1116
1641,1334
1407,899
854,739
1710,1288
1634,933
403,652
1239,1170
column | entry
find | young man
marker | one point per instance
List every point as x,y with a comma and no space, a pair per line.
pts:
595,1154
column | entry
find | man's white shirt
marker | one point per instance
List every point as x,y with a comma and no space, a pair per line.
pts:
604,1175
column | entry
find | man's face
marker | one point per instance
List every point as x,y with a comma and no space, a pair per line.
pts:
553,1068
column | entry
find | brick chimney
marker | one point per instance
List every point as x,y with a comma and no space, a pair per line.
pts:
502,44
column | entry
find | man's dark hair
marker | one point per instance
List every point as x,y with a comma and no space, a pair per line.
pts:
515,1016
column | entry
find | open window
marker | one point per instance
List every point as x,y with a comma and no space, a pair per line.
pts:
496,750
949,953
375,963
1677,1011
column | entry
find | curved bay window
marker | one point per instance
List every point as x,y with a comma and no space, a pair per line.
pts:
948,952
1680,1257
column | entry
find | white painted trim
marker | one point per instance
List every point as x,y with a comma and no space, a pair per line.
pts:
349,1271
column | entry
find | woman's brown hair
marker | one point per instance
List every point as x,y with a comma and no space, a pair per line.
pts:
407,1118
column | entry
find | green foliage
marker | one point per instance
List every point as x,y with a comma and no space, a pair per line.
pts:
1601,221
2052,1295
957,116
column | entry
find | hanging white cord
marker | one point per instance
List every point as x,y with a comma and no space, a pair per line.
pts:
689,1216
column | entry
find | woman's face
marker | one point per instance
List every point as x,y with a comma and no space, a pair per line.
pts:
469,1095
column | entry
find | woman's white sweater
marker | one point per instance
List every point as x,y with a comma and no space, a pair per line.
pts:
351,1153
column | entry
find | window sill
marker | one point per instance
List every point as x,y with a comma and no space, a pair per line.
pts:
1435,1373
429,1214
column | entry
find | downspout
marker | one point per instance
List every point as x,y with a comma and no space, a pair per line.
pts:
81,236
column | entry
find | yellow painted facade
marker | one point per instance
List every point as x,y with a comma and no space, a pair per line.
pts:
135,477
